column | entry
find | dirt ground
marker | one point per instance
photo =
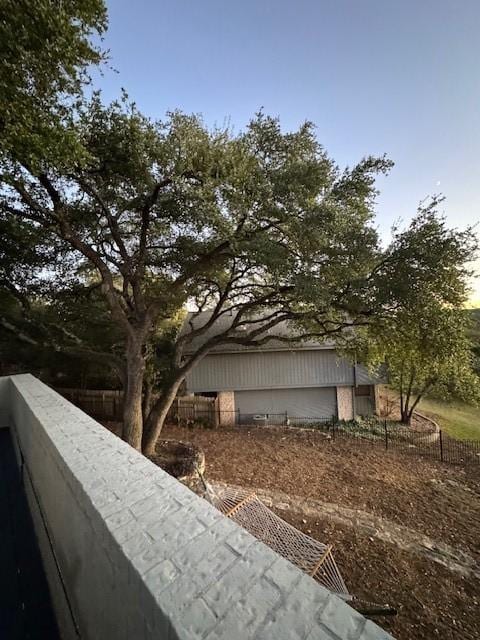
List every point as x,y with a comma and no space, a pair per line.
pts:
439,500
432,602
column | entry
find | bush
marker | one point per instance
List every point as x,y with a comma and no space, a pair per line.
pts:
368,427
203,422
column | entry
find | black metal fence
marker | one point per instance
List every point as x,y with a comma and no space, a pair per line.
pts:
433,443
370,432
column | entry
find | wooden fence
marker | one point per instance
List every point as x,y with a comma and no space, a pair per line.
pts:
100,404
108,405
200,409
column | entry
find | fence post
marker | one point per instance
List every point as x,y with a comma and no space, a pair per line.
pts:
333,427
386,433
286,418
440,439
238,416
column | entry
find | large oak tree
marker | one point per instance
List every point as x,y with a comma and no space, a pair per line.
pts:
261,225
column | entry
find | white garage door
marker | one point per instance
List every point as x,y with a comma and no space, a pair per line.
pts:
317,402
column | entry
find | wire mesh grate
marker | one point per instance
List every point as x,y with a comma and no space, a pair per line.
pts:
309,555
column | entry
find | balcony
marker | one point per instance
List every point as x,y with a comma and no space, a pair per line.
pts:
129,552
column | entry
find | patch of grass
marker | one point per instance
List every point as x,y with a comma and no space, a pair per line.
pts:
458,419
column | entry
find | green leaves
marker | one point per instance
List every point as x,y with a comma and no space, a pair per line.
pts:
427,260
45,48
420,329
164,214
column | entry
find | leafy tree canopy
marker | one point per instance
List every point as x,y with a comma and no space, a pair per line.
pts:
424,337
262,226
474,334
46,48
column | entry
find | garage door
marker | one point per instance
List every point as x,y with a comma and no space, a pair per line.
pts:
318,402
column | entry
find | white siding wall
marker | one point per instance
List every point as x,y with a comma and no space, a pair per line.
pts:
270,370
319,402
364,377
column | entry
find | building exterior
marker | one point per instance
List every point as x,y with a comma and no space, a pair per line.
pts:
282,382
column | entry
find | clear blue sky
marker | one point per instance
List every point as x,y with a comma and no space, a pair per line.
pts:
400,77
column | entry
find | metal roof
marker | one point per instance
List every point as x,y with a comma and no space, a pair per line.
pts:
283,329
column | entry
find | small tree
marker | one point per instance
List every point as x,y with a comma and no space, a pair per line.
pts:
427,353
423,339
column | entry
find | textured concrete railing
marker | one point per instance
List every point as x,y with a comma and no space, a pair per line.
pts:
131,553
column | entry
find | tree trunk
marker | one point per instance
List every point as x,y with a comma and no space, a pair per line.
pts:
417,400
405,413
157,416
401,393
159,411
132,406
147,400
404,408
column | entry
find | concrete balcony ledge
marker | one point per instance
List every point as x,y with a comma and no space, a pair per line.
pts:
130,553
